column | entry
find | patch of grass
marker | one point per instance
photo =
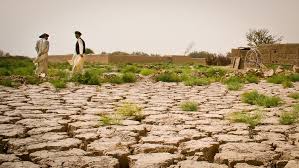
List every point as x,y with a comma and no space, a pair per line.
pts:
146,71
244,117
234,83
129,109
287,84
294,77
109,120
33,80
252,79
214,72
129,77
189,106
168,77
87,78
287,118
115,79
255,98
294,95
6,82
197,82
277,79
130,68
58,83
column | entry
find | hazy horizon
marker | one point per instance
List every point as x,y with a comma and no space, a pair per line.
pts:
159,27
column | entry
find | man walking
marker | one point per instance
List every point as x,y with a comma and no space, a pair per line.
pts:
78,58
41,61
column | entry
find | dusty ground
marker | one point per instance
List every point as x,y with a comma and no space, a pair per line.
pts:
41,127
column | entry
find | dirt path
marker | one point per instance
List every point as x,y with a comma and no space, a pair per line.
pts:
41,127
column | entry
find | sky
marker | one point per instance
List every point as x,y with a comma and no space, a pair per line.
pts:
164,27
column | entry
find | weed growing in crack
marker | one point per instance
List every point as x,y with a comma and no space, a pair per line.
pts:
256,98
189,106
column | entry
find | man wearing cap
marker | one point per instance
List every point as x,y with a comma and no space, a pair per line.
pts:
78,58
41,61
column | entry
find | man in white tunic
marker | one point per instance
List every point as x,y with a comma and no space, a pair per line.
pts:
78,58
41,61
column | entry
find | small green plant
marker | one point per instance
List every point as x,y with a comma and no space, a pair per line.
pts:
6,82
115,79
252,79
88,78
130,68
168,77
146,71
58,83
287,118
294,95
255,98
244,117
294,77
197,82
33,80
277,79
287,84
189,106
128,109
234,83
109,120
129,77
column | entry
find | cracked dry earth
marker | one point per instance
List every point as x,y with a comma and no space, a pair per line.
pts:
42,127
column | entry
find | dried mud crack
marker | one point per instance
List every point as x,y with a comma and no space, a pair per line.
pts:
43,127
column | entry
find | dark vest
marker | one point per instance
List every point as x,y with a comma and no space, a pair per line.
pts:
77,47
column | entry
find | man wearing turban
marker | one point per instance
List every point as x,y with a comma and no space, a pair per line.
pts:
41,61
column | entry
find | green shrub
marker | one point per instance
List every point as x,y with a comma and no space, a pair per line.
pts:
33,80
129,109
58,83
294,95
197,81
117,79
255,98
168,77
294,77
214,72
189,106
244,117
287,118
234,83
129,77
277,79
287,84
234,86
146,71
6,82
88,78
109,120
252,79
130,68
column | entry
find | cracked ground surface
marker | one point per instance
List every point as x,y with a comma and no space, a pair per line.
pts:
43,127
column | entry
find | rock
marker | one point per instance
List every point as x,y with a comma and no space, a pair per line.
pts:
11,130
269,73
8,158
81,162
278,70
292,164
250,153
45,154
152,160
201,164
245,165
153,148
110,148
63,144
24,164
207,146
296,69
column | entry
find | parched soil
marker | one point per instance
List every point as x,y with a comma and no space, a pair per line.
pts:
44,127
